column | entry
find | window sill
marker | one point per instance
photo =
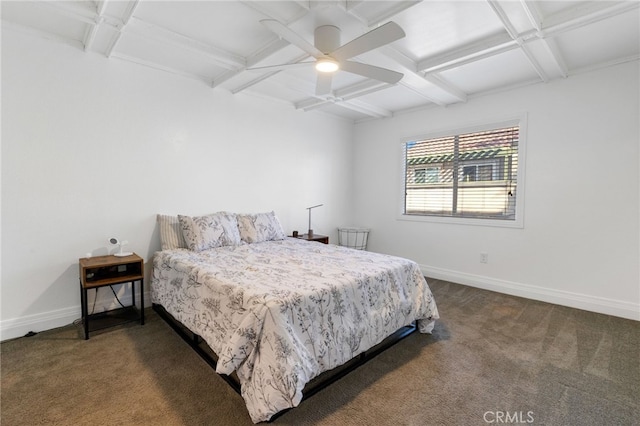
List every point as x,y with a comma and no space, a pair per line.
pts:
517,223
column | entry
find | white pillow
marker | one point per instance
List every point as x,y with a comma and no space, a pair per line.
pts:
231,236
170,232
255,228
201,232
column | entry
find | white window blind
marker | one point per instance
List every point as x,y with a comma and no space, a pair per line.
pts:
469,175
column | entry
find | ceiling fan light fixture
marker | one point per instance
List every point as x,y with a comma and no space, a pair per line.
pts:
327,65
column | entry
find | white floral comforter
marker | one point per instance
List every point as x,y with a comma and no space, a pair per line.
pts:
281,312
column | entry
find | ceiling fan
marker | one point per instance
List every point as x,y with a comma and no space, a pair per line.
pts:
331,56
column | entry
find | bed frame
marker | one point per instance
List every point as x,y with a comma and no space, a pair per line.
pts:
315,385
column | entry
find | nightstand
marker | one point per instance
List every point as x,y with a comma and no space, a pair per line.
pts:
101,271
316,237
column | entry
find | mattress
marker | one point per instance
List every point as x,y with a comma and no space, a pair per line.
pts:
279,313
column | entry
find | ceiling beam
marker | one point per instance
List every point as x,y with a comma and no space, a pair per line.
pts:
441,83
253,82
151,31
535,19
126,17
583,14
576,17
396,8
265,51
347,6
365,108
415,79
128,13
262,8
251,61
360,89
346,93
554,52
13,26
350,4
421,76
412,78
483,48
157,66
256,80
567,20
513,33
78,11
311,103
303,4
94,17
90,34
533,13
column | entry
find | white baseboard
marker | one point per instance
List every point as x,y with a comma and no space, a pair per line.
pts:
601,305
18,327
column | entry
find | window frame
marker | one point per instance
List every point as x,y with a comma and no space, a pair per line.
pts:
517,120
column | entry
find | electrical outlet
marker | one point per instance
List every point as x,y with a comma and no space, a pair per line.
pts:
484,257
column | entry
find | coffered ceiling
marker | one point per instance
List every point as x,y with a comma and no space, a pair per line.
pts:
452,51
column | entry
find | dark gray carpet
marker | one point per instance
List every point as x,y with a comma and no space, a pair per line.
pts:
491,359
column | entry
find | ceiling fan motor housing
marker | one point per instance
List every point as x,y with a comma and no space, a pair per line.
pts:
326,38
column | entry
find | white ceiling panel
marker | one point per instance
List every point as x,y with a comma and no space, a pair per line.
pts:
506,69
227,25
185,61
451,49
552,7
397,98
287,54
602,42
434,27
116,8
291,92
548,57
350,112
523,15
300,80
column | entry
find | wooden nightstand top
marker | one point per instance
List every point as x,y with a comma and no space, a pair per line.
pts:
108,260
104,270
316,237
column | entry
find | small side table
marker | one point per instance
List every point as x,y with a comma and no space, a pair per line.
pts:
315,237
101,271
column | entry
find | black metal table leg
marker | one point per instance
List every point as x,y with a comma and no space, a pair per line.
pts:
85,312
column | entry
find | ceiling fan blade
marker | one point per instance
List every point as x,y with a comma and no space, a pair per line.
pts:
280,67
323,85
290,36
370,71
375,38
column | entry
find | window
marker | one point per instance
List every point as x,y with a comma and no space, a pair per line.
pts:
463,175
429,175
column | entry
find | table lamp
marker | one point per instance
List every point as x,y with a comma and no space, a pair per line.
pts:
310,231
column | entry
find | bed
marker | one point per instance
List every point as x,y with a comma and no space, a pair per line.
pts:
278,311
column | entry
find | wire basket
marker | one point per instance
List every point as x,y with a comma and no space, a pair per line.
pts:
355,238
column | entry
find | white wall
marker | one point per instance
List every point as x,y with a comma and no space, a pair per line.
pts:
95,147
580,242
